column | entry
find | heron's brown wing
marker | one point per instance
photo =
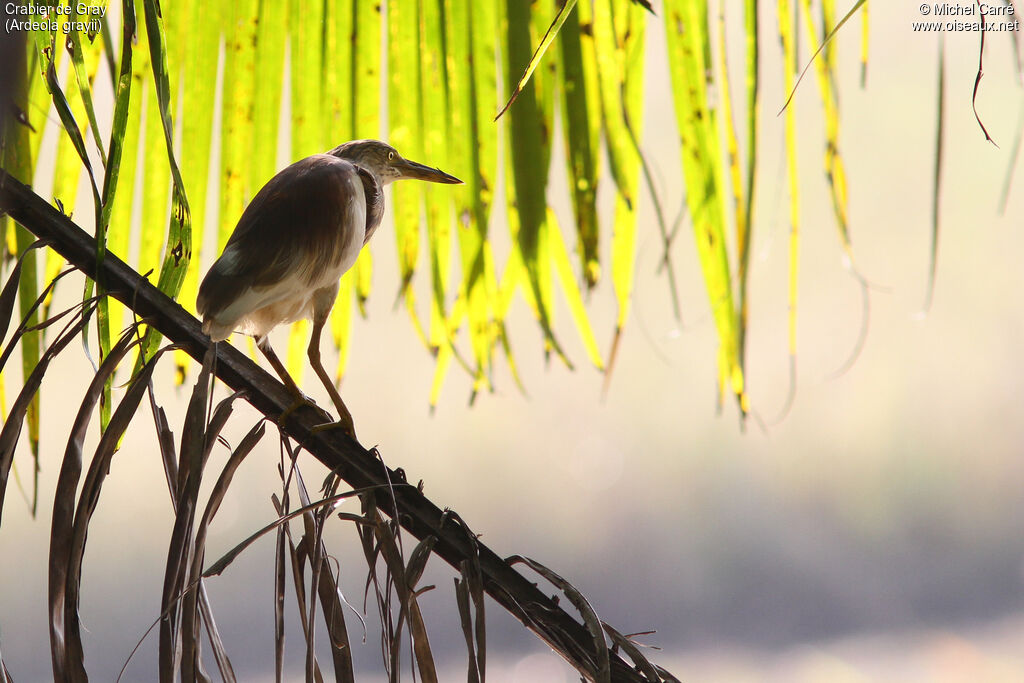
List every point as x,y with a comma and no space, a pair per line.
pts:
294,226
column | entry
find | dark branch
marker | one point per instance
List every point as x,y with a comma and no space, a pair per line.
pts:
357,466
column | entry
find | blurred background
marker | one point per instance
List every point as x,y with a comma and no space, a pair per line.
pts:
870,533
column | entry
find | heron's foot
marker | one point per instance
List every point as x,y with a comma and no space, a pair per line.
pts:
300,401
345,425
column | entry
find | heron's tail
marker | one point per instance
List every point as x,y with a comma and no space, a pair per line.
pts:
217,331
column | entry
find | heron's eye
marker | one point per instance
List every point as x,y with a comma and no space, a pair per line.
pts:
391,156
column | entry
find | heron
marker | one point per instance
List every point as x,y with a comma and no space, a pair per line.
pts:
294,241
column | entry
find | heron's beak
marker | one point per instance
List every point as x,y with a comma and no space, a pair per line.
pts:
417,171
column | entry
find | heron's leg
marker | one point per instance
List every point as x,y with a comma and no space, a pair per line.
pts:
344,416
300,398
263,345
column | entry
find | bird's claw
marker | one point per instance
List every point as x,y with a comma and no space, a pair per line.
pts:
345,425
300,401
330,423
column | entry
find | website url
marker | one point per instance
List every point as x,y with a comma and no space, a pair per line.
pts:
957,26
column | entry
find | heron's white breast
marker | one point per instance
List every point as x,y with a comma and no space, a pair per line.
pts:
351,230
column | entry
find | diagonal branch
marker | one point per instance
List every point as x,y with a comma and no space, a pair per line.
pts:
357,466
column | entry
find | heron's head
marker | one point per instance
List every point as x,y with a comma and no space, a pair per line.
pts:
384,162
